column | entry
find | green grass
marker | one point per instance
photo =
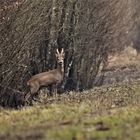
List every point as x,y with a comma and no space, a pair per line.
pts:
107,113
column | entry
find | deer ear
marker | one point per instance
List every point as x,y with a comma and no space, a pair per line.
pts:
57,52
62,51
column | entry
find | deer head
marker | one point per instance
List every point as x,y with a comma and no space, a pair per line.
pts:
60,56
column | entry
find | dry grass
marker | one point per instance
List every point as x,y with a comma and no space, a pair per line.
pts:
99,114
128,57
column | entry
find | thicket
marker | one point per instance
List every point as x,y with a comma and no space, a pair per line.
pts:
88,30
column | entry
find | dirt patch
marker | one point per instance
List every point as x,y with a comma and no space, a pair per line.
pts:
123,67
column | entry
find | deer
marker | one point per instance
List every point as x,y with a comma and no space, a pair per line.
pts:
49,78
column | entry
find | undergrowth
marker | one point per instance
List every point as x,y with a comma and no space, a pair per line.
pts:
106,113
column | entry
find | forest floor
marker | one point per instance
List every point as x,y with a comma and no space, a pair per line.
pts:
103,113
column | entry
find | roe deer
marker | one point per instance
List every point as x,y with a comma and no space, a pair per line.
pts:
52,77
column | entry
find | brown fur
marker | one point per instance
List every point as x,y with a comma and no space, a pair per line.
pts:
52,77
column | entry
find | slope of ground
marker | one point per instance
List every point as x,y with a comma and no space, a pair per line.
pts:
123,67
106,113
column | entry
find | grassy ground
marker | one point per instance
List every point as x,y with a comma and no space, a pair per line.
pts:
107,113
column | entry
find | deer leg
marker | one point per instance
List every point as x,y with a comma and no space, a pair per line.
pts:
34,89
50,94
55,90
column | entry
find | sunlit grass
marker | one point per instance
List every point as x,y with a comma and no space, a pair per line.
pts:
91,115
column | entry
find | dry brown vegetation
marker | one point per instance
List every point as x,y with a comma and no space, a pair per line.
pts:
129,56
123,67
101,43
88,31
100,114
